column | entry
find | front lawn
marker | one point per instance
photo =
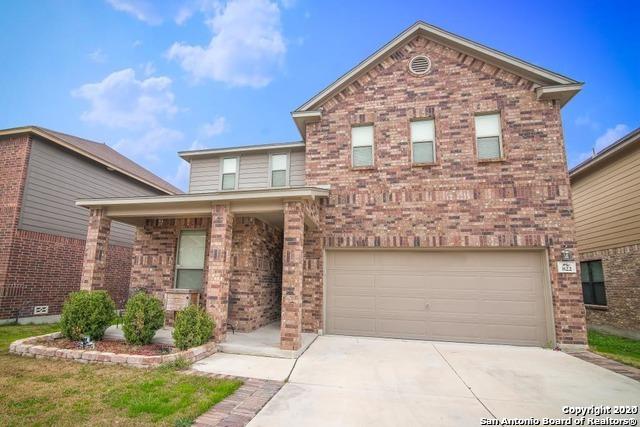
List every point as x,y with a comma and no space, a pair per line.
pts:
623,350
55,392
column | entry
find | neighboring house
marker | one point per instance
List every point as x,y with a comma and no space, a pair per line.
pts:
606,198
429,199
42,231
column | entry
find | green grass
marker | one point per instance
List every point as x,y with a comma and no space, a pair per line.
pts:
10,333
57,392
624,350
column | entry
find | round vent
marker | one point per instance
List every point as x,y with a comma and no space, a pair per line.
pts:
420,65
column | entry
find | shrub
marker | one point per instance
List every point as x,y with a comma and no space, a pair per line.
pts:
143,316
192,327
87,313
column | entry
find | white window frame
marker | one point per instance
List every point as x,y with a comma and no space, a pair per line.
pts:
237,173
177,259
373,145
425,119
288,168
500,147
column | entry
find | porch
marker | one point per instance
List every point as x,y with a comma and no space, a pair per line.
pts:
250,255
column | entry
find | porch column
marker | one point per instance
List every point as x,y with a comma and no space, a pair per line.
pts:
95,251
292,276
219,268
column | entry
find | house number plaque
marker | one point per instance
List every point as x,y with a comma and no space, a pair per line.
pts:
567,267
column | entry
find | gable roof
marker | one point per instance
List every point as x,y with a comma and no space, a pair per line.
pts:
100,153
632,137
551,85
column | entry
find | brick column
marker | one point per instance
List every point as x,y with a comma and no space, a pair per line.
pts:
292,276
95,251
219,268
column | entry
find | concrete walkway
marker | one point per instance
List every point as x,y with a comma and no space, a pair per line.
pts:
350,381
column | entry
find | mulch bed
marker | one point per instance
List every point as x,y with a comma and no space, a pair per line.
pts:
111,346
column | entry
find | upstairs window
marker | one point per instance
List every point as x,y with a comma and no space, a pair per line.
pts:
488,137
229,173
593,283
362,146
279,168
423,141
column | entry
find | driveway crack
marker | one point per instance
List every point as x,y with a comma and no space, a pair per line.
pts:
463,381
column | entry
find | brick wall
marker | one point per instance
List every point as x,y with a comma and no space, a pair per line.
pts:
256,274
45,268
622,286
523,201
38,268
256,258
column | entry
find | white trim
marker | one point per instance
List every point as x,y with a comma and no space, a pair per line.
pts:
187,155
517,66
222,174
287,169
433,142
254,194
177,257
373,145
475,130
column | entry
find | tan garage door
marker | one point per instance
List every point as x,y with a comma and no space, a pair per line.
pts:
481,296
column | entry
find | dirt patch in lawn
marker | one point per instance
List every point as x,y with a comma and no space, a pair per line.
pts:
111,346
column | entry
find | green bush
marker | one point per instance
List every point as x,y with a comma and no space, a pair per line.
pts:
143,316
192,327
87,313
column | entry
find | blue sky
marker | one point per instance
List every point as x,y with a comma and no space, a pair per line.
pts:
154,77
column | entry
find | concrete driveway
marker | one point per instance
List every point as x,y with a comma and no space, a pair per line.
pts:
350,381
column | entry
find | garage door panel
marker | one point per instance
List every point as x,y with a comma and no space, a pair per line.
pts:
482,296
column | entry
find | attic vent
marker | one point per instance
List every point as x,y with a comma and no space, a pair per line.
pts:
420,65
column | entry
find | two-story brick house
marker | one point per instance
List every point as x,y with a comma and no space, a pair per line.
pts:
428,199
42,231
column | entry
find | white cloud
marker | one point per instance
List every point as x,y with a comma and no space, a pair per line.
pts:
142,10
150,145
181,177
611,135
136,43
216,127
148,68
120,100
586,121
98,56
246,49
139,107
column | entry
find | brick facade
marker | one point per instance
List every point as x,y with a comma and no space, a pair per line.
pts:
256,274
38,269
621,268
96,249
255,264
522,201
292,276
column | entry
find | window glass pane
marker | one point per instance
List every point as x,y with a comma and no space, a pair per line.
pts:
489,148
362,156
229,181
587,293
279,162
278,178
599,294
487,125
584,271
596,271
423,152
191,251
362,136
229,165
422,131
189,279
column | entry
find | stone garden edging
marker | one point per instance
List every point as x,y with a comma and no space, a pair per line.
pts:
27,347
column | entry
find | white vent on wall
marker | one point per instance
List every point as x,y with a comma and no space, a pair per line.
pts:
41,309
420,65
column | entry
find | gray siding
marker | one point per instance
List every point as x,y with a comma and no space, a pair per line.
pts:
56,179
205,175
296,174
254,171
